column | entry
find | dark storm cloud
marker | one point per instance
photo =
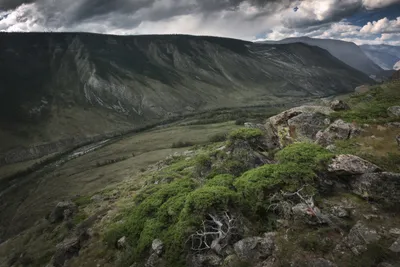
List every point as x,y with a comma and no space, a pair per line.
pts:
11,4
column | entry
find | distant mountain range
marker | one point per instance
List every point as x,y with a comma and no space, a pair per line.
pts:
386,56
348,52
58,85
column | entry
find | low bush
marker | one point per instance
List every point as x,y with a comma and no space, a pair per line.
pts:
225,180
245,134
308,154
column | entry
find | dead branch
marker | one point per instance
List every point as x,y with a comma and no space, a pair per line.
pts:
215,233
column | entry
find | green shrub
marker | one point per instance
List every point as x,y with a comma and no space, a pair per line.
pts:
310,155
225,180
209,199
245,134
257,185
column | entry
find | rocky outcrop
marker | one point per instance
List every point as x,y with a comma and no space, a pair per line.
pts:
339,130
382,187
253,249
298,124
351,165
359,237
63,211
395,247
339,105
394,111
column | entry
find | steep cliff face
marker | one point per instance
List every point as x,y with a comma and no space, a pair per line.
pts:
58,85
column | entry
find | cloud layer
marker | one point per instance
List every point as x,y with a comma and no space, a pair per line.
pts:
244,19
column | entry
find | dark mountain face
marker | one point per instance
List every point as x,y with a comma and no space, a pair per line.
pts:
385,56
347,52
58,85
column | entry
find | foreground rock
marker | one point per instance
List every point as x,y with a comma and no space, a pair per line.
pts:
359,237
66,250
351,165
339,130
255,248
381,187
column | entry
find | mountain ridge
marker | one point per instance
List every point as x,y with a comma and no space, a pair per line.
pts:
58,85
348,52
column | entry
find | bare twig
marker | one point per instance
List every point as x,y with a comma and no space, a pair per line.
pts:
215,234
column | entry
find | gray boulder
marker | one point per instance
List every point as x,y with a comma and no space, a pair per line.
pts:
381,187
359,237
66,250
395,247
351,165
339,130
157,246
63,211
394,111
255,248
338,105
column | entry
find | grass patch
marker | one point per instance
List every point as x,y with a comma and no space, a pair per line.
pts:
371,106
110,161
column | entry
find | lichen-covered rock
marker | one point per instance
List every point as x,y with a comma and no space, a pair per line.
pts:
351,165
359,237
339,130
63,211
255,248
298,124
338,105
305,126
381,187
394,111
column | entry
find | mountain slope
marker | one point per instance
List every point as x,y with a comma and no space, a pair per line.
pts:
386,56
62,85
347,52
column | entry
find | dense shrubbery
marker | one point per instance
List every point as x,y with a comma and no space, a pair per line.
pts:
172,211
310,155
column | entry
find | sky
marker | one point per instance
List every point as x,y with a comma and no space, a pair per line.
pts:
359,21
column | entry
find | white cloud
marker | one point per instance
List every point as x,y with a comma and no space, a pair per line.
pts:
382,26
